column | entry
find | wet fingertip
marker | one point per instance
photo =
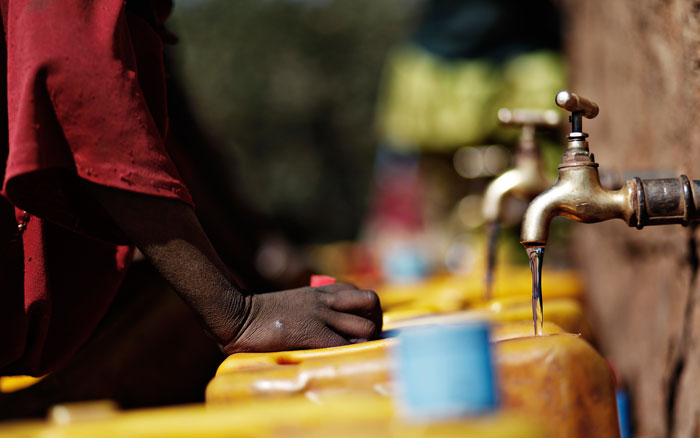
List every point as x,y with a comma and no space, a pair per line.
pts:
357,340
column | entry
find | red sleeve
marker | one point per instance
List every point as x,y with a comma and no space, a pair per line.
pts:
86,98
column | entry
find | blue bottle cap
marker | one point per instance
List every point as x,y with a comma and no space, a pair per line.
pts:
446,371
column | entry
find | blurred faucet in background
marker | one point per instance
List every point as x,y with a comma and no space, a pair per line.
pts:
525,181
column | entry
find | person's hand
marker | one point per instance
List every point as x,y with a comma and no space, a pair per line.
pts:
326,316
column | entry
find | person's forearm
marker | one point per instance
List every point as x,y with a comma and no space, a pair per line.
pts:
169,234
172,239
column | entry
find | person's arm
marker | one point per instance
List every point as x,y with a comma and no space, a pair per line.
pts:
172,239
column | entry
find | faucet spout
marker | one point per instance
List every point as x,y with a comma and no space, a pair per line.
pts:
525,182
577,195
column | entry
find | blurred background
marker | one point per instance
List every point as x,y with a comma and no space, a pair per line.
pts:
287,91
369,121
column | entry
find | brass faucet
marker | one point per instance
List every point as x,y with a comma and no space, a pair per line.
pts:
526,180
579,195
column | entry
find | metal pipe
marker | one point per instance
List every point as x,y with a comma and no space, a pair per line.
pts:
667,201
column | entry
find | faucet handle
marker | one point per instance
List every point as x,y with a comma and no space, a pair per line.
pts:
580,108
537,118
529,120
577,104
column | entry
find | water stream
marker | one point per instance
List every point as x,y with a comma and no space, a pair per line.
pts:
491,243
536,256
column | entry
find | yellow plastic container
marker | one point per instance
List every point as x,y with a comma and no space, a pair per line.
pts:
558,378
561,379
564,312
343,370
256,361
447,293
346,416
261,361
360,368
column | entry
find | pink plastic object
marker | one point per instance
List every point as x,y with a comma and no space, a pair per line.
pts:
321,280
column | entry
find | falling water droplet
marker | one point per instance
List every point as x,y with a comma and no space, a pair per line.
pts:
536,256
491,243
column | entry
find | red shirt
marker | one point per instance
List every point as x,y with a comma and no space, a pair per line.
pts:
85,100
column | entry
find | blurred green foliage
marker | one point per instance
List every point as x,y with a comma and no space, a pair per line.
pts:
287,90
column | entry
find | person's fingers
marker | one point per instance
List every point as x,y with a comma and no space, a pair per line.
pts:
326,338
353,301
353,327
364,303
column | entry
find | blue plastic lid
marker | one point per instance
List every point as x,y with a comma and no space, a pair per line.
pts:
446,371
